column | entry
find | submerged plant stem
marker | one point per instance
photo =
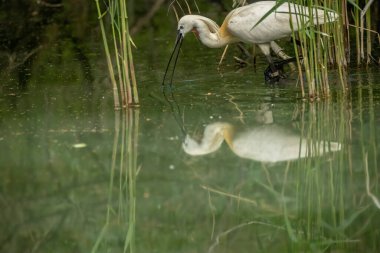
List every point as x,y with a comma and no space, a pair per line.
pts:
108,57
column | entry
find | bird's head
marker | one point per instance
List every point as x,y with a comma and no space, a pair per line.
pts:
187,24
213,137
196,24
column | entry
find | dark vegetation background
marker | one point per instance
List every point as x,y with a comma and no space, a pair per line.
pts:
28,27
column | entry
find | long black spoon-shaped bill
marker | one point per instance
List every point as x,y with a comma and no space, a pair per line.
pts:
176,50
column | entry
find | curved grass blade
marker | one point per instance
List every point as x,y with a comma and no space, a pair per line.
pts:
269,12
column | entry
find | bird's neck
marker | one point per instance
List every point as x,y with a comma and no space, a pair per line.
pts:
213,39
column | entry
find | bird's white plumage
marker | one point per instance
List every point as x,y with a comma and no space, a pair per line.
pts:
245,24
256,23
277,24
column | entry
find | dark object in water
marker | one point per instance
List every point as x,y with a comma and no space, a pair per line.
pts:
275,76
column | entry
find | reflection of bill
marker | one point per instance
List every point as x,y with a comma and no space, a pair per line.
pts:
267,143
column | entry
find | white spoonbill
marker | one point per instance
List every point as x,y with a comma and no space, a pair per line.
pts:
267,143
246,24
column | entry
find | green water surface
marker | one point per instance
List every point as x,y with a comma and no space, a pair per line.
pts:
76,176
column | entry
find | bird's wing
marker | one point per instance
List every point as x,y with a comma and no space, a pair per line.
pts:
273,27
244,21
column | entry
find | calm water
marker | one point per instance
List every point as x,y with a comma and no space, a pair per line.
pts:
76,176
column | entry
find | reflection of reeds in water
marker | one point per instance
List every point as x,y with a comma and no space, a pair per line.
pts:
124,167
368,138
124,86
326,203
320,188
327,191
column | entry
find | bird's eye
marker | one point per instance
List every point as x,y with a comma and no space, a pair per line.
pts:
181,27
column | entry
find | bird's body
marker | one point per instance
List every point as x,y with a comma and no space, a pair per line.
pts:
252,24
245,24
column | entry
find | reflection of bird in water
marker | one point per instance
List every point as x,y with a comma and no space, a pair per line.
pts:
267,143
247,24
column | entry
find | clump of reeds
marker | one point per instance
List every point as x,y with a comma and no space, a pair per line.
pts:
320,45
321,48
326,47
364,29
121,61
